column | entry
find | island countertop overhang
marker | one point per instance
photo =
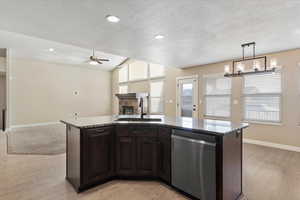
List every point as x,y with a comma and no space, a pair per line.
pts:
216,127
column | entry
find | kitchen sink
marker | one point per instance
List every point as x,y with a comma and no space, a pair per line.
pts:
140,119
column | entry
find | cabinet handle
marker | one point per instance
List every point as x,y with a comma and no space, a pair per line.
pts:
100,132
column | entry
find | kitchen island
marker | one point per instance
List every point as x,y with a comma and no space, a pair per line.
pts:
200,157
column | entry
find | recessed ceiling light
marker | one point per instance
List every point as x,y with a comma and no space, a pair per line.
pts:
112,18
159,37
51,49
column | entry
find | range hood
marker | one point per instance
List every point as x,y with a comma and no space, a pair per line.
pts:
132,95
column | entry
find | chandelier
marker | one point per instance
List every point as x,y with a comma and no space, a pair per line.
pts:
259,64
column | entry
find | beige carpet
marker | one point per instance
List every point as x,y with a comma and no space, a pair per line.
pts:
43,140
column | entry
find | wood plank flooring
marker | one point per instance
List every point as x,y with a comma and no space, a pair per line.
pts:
269,174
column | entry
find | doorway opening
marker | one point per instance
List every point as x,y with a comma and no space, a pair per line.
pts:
3,91
187,96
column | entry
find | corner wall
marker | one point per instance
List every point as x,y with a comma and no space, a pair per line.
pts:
42,92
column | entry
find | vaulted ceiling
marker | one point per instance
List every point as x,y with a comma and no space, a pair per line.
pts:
196,31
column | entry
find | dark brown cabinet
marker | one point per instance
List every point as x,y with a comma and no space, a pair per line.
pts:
136,151
164,154
125,156
146,156
98,159
96,155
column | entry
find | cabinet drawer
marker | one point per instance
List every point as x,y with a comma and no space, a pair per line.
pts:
136,131
164,132
143,131
122,131
98,130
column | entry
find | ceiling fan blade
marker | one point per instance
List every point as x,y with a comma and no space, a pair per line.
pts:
102,59
98,61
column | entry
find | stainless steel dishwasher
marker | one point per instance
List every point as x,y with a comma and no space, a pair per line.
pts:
193,164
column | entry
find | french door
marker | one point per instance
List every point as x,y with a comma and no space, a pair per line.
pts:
187,96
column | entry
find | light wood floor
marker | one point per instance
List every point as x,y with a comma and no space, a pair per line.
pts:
269,174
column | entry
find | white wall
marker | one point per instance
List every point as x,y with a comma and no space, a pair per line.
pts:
44,92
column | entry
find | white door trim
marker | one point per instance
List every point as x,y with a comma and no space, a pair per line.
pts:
196,96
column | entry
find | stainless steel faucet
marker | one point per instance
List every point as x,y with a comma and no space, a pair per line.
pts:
142,107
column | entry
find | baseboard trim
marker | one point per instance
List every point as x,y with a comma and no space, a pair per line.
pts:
32,125
273,145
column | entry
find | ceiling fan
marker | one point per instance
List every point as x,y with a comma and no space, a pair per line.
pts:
95,60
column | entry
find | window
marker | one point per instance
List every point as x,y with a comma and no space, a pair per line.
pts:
156,70
123,89
123,74
217,96
138,70
156,97
262,97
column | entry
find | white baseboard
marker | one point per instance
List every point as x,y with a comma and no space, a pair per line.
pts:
32,125
273,145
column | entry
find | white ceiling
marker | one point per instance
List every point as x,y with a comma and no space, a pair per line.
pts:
22,46
197,31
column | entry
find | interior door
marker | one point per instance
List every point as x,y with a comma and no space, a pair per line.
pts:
187,97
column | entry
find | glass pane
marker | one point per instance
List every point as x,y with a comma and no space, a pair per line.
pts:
187,106
218,85
187,89
262,108
218,106
156,88
156,105
187,100
263,83
123,74
156,70
138,70
123,89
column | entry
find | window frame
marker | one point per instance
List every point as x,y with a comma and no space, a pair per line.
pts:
122,82
149,80
122,85
156,77
161,97
139,79
216,95
259,121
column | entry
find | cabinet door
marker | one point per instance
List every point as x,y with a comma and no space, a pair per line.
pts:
164,154
98,159
126,156
146,156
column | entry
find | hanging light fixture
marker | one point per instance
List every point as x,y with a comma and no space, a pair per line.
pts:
238,66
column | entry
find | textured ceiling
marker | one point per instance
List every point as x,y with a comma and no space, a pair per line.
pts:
197,31
22,46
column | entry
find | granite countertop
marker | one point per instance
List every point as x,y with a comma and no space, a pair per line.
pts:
219,127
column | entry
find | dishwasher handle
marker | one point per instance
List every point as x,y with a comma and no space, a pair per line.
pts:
203,142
